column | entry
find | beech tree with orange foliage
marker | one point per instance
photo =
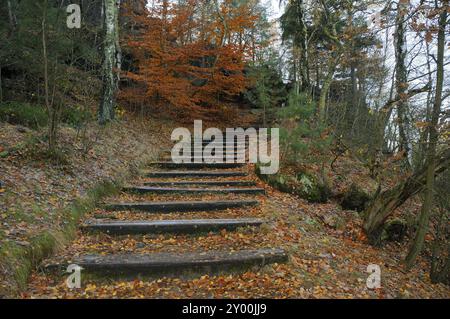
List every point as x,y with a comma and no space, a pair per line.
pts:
192,54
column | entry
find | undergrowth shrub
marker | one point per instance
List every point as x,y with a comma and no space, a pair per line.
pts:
302,140
18,113
36,116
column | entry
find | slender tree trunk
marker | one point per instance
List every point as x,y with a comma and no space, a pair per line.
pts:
304,58
427,205
111,56
401,80
440,269
325,89
424,136
1,85
50,111
12,15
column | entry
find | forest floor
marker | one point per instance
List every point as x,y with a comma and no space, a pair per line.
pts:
326,259
36,189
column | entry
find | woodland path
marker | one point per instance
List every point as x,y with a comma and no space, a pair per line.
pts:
215,231
164,182
186,192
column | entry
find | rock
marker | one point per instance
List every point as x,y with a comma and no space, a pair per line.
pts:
395,230
355,199
23,243
22,129
333,221
303,185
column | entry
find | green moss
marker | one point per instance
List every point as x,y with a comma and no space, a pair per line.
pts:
355,199
303,185
34,116
76,116
311,189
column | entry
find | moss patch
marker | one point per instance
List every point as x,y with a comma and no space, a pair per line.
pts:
355,199
304,185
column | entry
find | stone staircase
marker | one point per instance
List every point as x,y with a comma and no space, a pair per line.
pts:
185,189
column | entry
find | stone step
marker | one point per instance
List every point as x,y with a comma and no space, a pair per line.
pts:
171,190
200,153
203,153
209,160
195,174
202,183
158,264
224,145
224,151
168,226
182,206
193,142
171,165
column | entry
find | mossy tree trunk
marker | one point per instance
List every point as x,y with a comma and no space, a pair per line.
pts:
111,61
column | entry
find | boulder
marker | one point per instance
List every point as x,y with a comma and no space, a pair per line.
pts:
395,230
355,199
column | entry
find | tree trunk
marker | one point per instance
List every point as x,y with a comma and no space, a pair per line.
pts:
325,89
401,80
50,111
424,135
12,15
384,203
427,206
1,85
111,61
440,252
304,58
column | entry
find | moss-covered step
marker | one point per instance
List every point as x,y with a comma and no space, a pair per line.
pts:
168,226
182,206
175,263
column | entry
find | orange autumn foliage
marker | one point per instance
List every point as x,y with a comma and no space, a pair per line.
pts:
190,54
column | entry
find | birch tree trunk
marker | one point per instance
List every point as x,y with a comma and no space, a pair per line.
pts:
111,61
427,205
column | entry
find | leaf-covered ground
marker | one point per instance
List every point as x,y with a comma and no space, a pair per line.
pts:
35,189
327,259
